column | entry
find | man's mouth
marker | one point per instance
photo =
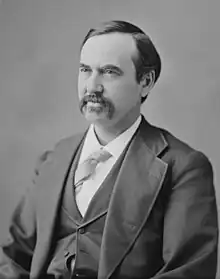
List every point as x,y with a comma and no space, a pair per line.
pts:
95,100
94,103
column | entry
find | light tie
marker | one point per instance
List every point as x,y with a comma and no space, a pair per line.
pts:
87,168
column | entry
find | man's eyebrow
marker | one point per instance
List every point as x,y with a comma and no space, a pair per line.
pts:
112,67
82,65
104,67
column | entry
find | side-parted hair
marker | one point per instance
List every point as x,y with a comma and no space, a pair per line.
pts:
147,59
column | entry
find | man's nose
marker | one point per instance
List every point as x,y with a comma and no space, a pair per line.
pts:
94,84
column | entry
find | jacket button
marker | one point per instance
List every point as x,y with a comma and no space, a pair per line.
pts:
81,230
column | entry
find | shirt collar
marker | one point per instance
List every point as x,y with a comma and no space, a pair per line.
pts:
115,147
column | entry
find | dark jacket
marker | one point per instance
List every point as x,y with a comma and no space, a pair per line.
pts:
161,222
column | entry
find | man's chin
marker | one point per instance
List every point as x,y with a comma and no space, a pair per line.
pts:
94,113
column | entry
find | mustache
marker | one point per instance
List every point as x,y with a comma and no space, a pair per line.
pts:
97,98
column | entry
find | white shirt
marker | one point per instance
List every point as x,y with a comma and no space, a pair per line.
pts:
115,148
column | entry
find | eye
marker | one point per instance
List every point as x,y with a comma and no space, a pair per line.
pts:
110,72
84,69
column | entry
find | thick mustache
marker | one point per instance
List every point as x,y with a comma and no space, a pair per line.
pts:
94,98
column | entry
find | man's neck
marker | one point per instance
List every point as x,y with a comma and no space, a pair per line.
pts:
107,134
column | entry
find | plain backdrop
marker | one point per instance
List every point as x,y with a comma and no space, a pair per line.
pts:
39,51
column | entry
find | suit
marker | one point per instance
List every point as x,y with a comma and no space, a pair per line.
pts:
161,221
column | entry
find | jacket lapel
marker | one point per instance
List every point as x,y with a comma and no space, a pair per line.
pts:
50,185
133,196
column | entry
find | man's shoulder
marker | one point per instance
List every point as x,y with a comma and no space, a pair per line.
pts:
179,152
175,143
67,144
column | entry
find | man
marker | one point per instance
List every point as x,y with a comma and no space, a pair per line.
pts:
144,207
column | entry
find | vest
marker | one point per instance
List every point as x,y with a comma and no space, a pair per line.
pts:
80,237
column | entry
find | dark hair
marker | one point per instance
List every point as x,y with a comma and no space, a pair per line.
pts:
148,58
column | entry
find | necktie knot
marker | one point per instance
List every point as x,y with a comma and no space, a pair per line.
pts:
101,155
87,168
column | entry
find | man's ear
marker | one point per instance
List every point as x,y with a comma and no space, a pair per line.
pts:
147,82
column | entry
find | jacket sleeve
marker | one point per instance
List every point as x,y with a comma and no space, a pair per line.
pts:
17,250
190,239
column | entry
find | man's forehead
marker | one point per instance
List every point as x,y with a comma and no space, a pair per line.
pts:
106,48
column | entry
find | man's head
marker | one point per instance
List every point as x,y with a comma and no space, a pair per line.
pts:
119,64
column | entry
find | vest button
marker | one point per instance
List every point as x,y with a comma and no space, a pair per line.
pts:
81,230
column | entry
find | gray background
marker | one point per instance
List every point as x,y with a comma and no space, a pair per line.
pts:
39,48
